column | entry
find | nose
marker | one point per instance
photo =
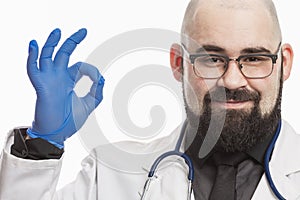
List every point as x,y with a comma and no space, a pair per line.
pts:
233,77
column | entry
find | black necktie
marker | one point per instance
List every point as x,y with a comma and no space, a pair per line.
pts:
224,186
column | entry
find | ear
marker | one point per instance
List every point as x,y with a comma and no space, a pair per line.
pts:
287,56
176,61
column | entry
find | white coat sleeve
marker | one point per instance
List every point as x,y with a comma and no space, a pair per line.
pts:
37,179
33,179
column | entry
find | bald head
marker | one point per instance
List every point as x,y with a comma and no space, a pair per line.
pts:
195,6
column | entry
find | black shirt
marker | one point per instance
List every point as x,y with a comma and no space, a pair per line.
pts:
249,172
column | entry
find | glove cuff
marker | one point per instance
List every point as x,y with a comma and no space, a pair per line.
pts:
47,137
56,137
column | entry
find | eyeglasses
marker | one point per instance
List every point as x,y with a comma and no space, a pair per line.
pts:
252,66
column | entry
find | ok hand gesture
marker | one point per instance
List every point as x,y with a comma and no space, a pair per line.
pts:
59,112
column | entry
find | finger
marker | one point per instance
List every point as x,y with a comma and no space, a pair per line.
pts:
32,68
96,90
48,48
63,55
79,69
95,96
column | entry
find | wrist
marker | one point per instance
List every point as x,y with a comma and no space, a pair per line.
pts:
50,137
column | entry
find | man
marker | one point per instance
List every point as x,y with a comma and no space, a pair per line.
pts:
232,66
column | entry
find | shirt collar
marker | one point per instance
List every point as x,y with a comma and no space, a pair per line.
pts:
259,150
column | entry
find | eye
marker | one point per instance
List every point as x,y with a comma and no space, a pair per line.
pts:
210,60
252,59
215,59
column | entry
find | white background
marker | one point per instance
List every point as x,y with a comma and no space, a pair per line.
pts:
22,21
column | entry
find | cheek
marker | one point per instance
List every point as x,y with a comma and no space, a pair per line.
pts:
194,91
268,89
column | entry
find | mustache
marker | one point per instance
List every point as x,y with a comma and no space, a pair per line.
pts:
224,94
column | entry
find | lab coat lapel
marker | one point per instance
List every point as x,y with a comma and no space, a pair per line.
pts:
284,162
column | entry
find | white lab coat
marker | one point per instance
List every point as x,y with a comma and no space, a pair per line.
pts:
36,180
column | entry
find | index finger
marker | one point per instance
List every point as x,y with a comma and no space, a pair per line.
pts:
48,48
62,56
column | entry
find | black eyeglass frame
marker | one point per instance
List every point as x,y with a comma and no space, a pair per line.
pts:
193,57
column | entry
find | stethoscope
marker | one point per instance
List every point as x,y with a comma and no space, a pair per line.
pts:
189,163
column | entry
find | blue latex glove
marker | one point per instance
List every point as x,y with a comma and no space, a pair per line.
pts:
59,112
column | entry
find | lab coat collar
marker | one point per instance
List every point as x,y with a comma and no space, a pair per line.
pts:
283,163
286,150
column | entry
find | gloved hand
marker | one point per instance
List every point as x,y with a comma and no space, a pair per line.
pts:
59,112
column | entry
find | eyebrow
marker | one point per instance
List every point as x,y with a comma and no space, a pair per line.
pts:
208,47
217,49
255,50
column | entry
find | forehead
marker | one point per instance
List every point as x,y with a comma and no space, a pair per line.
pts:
232,27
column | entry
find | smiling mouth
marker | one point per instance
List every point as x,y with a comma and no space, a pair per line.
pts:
233,104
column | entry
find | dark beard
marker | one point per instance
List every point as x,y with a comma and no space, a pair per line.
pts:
241,131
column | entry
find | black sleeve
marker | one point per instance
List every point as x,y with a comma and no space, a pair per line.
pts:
35,149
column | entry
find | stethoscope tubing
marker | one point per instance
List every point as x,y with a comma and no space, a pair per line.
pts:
186,158
176,152
267,160
189,162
